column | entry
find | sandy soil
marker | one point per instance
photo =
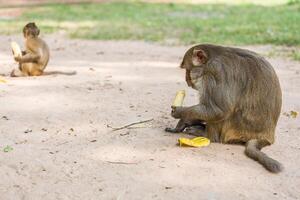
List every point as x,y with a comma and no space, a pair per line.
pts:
63,149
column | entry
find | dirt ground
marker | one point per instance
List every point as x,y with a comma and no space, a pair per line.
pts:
63,148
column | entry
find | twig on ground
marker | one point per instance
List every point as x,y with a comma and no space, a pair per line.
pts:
122,163
128,125
62,143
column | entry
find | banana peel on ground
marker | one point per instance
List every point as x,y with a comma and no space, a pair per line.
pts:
195,142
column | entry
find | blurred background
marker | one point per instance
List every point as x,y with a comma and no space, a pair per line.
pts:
177,22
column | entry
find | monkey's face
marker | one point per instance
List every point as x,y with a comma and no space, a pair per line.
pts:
31,30
187,60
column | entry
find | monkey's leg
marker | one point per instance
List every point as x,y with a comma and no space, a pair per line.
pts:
36,72
181,125
32,69
18,72
196,130
27,69
213,131
29,58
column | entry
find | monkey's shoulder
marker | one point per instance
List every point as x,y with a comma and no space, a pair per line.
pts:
36,45
36,41
217,51
231,55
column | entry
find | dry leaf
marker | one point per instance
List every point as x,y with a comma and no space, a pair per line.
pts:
293,114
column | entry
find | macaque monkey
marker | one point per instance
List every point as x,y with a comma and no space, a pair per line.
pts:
35,58
239,99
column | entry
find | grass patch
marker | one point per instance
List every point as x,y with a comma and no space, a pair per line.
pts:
296,55
168,23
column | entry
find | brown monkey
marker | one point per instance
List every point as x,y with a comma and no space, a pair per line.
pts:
240,98
36,55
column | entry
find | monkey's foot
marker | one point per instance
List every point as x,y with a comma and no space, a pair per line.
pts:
171,130
196,131
16,73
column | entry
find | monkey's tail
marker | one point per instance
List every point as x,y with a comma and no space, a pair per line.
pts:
60,73
253,151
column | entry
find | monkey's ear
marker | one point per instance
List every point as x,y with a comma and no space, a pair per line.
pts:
199,57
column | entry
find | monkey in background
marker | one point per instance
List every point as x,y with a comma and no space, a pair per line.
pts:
35,58
33,61
239,99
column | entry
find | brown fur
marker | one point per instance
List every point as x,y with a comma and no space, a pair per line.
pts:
36,55
240,98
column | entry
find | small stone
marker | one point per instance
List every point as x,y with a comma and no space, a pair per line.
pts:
28,131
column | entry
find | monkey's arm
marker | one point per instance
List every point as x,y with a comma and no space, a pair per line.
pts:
215,104
181,125
200,112
28,57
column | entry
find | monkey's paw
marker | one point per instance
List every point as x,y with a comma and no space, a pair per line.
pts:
171,130
17,58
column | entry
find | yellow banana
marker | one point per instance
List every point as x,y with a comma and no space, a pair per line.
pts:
195,142
178,101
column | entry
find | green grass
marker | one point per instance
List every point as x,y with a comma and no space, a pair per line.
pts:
296,55
240,24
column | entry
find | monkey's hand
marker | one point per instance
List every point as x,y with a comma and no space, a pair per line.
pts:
17,58
177,112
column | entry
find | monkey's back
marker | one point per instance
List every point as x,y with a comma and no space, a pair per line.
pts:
257,93
39,46
45,53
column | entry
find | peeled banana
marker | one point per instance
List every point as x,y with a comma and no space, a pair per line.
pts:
16,49
178,101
